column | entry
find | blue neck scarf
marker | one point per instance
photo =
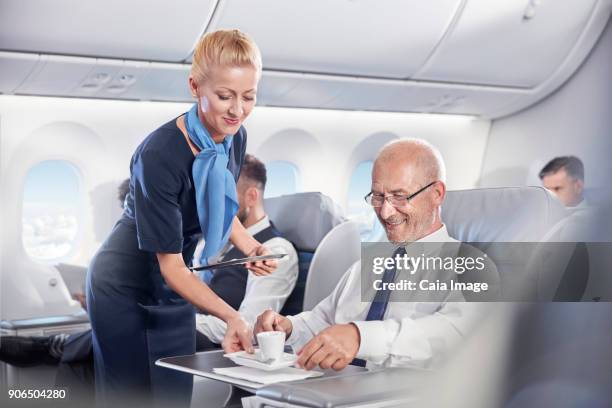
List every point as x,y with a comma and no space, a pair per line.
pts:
215,187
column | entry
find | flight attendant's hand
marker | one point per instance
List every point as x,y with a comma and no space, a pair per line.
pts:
261,268
238,336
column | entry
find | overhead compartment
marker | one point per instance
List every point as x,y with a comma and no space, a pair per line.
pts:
134,29
383,38
446,56
508,43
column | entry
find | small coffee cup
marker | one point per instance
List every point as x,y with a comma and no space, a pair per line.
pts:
271,344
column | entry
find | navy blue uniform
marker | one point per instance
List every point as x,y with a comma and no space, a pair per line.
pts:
136,318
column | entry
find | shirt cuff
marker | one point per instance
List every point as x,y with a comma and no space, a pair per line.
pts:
294,338
372,339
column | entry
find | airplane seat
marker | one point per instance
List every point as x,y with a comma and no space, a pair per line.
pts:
304,219
502,222
338,250
571,259
568,363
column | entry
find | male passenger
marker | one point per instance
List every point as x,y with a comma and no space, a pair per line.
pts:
564,176
247,293
407,193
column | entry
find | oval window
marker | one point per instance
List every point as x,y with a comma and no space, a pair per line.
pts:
52,204
358,210
283,178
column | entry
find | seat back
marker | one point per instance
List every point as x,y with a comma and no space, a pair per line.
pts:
505,214
295,302
304,219
573,258
489,217
340,249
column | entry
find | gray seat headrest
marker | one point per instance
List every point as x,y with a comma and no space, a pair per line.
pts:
491,216
508,214
304,218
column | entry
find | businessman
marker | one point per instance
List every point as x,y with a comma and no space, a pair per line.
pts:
408,189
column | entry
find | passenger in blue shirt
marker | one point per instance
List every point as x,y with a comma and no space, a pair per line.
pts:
140,293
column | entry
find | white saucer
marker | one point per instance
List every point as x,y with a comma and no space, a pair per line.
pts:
254,360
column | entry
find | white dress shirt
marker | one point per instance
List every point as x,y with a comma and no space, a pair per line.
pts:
411,334
262,292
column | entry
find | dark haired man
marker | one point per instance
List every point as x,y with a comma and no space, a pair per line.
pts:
245,292
564,177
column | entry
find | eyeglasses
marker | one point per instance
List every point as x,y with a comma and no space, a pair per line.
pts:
396,200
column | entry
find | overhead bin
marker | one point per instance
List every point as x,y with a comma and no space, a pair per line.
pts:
470,57
508,43
382,38
446,56
135,29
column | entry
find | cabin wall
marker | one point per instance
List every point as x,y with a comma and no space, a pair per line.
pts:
574,120
98,138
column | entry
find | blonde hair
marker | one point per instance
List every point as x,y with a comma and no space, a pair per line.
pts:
224,48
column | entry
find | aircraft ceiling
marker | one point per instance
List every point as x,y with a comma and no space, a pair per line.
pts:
444,56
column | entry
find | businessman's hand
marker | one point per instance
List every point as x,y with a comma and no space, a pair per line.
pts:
261,268
272,321
334,347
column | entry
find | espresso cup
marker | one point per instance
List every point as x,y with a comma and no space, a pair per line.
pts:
271,344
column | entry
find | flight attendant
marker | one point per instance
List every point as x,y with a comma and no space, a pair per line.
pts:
140,293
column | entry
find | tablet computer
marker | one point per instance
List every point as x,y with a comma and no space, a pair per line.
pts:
239,261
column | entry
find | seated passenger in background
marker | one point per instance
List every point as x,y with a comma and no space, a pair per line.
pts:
242,290
564,177
407,193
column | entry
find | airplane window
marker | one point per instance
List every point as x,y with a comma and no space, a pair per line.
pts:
52,202
358,210
283,178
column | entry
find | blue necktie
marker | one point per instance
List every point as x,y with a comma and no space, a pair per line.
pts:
381,300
